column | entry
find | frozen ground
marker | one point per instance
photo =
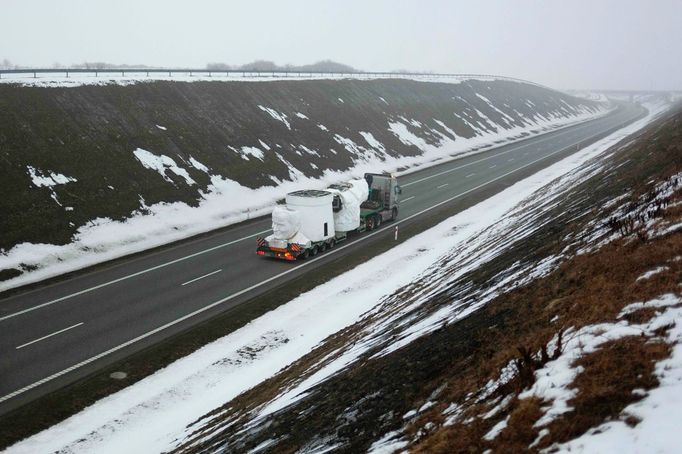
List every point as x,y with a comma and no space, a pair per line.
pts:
152,415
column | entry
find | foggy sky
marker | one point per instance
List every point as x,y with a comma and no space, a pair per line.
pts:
623,44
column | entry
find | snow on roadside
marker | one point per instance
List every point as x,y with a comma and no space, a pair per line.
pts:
226,202
153,414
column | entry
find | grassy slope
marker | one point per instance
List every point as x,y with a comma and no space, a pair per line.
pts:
458,359
90,132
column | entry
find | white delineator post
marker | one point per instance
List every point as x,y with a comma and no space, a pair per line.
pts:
396,233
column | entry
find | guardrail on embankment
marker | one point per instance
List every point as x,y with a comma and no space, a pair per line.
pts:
36,73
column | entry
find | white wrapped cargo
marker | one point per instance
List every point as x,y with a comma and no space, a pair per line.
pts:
286,226
351,194
315,210
286,222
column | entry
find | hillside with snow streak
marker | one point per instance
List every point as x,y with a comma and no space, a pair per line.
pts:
94,172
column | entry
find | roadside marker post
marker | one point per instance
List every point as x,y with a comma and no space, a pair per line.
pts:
396,233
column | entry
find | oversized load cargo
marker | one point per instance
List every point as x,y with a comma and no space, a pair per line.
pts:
347,206
314,221
315,210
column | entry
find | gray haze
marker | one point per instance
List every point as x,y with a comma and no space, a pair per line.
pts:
623,44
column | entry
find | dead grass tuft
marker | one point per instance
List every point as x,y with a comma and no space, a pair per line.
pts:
606,384
520,431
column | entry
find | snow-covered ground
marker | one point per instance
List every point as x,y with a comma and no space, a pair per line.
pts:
152,415
227,202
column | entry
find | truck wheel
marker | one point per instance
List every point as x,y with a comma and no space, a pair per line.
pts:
313,252
378,221
323,247
305,255
332,243
394,213
370,223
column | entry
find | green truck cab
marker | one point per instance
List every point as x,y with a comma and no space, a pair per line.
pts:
382,204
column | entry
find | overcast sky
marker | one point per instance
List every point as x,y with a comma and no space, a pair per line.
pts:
563,44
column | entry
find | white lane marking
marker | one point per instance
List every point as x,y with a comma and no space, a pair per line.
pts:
270,279
409,198
470,175
493,166
524,145
511,159
49,335
442,186
96,287
201,277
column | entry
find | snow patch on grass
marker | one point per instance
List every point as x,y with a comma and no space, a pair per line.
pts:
276,115
161,164
47,179
653,272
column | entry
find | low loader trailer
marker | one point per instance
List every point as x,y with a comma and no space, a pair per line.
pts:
312,221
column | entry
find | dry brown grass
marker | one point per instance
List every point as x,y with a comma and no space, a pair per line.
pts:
605,386
585,290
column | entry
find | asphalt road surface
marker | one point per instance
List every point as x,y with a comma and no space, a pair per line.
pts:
53,334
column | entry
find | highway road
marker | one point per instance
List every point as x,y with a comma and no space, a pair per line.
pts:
54,334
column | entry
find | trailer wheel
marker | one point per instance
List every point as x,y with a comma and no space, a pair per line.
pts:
378,221
314,250
332,243
323,247
394,213
370,223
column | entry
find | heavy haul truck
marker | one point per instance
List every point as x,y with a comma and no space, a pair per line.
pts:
312,221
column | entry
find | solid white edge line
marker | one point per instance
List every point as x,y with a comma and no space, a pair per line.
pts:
96,287
270,279
201,277
49,335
